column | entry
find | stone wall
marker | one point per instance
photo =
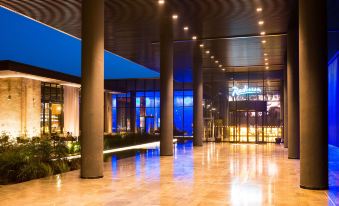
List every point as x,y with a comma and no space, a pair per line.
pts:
20,107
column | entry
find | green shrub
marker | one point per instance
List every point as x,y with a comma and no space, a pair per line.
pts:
34,170
115,141
35,159
74,148
60,166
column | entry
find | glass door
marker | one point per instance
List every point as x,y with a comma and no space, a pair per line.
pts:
149,124
242,125
252,124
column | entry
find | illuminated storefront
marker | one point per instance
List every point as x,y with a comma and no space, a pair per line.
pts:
254,108
142,109
52,101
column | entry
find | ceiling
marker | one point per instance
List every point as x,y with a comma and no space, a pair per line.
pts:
229,30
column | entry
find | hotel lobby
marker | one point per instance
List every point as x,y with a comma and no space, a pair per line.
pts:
169,102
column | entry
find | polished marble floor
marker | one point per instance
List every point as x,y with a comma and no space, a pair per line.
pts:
215,174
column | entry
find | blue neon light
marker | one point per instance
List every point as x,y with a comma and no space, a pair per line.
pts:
29,42
333,100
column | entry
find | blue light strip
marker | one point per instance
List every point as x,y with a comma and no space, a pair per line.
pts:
27,41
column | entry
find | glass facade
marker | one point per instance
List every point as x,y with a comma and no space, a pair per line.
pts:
254,108
140,112
52,100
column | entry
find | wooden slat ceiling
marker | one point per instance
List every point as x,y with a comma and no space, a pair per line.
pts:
131,29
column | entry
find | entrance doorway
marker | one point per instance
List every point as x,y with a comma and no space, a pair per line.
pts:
247,126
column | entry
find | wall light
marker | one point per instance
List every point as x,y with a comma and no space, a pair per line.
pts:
259,9
261,23
262,33
186,28
201,46
161,2
175,16
194,37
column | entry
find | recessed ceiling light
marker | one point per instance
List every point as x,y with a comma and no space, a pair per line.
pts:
194,37
267,68
259,9
161,1
263,41
262,33
207,52
216,62
220,65
201,45
186,28
261,23
212,57
175,16
265,54
266,59
223,69
266,64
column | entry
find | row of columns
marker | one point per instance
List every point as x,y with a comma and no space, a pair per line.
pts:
306,127
310,92
92,88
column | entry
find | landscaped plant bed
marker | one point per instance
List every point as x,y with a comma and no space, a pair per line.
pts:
26,159
33,159
116,141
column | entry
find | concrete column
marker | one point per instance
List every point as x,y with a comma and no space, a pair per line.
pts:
133,112
313,94
198,115
293,94
226,107
92,89
166,82
108,113
285,110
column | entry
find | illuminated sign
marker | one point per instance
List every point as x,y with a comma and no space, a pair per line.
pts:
246,90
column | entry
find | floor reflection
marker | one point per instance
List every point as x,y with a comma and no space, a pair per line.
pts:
215,174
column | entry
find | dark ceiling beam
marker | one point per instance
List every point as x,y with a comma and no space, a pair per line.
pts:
228,37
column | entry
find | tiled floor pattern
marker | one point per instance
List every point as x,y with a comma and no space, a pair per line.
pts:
215,174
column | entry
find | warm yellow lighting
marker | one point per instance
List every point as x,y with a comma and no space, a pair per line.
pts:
194,38
161,2
186,28
212,57
263,41
220,65
261,23
175,16
262,33
267,68
266,64
216,62
266,59
259,9
223,69
201,45
265,54
207,52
